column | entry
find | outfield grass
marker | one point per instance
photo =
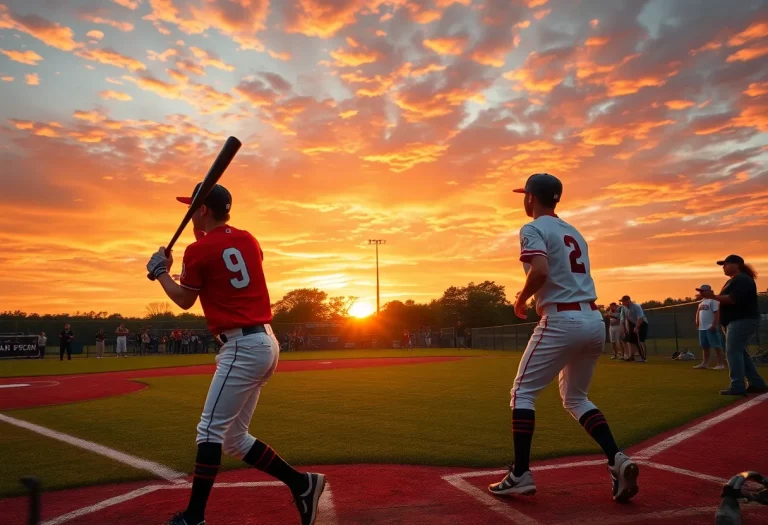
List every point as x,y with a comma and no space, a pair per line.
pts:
45,367
449,413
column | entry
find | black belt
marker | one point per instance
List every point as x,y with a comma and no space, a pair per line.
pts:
248,330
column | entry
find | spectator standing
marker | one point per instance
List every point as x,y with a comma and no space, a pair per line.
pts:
185,342
710,335
145,342
176,336
615,331
163,344
121,347
41,342
428,338
740,316
636,327
460,335
65,343
100,337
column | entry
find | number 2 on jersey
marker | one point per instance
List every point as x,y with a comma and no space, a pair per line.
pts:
576,266
236,264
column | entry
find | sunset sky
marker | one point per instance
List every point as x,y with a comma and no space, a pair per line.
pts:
409,121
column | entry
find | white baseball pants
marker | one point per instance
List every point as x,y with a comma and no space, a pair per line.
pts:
243,366
565,343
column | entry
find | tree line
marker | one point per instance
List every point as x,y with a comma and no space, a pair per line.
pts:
476,305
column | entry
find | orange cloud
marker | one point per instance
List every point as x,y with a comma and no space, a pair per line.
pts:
422,14
112,58
320,18
7,78
756,89
115,95
448,3
164,89
448,45
130,4
596,41
408,156
95,34
620,88
679,104
541,72
709,46
284,55
125,27
208,59
354,57
749,53
29,58
536,3
32,79
50,33
162,57
88,116
756,30
538,15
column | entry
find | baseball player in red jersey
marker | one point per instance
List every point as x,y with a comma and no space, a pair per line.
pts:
567,341
224,269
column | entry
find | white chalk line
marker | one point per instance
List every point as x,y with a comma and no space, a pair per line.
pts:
326,513
459,480
15,385
688,433
155,469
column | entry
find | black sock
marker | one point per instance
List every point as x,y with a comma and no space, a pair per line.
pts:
206,467
264,458
523,422
597,427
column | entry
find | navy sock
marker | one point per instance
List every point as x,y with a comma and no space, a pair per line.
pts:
523,422
597,427
264,458
206,467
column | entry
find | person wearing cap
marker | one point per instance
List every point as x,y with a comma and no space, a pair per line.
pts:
740,316
566,343
636,328
710,334
224,268
615,331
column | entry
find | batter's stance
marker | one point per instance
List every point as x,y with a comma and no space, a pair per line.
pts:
567,341
224,268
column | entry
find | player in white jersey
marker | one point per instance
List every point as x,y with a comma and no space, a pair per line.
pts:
567,341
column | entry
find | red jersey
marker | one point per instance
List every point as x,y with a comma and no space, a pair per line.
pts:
225,267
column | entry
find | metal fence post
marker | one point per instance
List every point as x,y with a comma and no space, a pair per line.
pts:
674,322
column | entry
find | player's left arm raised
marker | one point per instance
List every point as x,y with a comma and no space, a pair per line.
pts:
160,265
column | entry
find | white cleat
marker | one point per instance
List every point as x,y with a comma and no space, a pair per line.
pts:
522,486
624,473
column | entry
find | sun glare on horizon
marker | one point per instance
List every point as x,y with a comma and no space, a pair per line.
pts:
361,309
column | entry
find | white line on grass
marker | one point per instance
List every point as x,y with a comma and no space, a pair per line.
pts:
674,439
156,469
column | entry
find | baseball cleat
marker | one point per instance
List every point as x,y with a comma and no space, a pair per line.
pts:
624,473
308,502
522,486
178,519
701,366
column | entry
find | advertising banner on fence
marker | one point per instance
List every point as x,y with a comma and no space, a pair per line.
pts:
16,346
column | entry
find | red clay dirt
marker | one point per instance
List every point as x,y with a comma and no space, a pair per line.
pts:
58,390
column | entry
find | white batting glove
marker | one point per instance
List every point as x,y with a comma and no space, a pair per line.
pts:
158,264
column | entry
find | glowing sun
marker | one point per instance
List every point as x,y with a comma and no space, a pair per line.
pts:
361,309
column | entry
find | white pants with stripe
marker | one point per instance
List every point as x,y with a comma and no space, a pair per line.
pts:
243,366
565,343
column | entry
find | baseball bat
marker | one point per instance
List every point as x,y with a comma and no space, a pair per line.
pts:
227,153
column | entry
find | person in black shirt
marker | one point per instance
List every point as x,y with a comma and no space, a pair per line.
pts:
65,343
740,317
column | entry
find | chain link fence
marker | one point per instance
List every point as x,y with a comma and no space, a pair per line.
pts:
670,329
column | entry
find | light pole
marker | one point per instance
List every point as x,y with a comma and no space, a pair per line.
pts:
377,242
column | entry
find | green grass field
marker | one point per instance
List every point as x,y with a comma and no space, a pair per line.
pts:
450,413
